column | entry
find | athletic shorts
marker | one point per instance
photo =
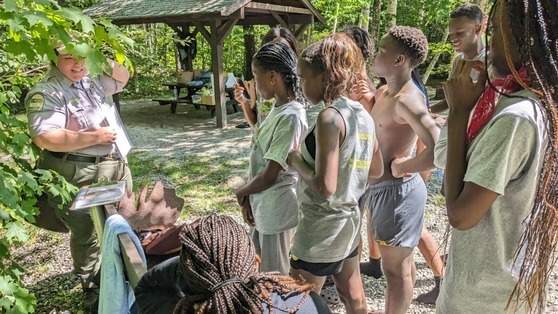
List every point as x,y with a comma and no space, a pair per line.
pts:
321,269
397,209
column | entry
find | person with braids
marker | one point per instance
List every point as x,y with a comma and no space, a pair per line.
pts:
334,163
499,152
217,272
254,116
268,200
397,199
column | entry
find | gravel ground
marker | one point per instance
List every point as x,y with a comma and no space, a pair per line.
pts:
158,134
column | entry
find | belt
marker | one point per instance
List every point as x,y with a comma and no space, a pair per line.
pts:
81,158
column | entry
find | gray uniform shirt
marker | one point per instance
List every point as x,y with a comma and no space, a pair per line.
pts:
506,158
58,103
328,229
275,209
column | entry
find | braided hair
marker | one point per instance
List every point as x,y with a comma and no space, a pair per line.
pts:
278,57
534,26
281,33
362,39
217,263
338,57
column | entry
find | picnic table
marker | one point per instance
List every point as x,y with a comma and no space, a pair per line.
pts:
188,99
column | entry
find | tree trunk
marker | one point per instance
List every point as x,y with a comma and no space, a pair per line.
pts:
391,13
249,50
435,58
375,20
421,13
482,4
336,16
365,17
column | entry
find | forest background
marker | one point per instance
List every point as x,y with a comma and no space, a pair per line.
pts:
149,51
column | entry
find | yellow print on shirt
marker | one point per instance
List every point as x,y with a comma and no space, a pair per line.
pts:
359,163
364,136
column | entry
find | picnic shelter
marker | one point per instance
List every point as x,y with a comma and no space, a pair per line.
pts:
214,19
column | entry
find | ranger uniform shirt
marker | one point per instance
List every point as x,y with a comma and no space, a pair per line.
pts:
57,103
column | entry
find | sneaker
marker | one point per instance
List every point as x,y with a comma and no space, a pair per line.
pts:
430,296
91,299
243,125
372,268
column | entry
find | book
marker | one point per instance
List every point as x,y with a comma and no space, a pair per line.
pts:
100,195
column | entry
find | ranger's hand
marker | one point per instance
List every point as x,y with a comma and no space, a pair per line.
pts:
106,135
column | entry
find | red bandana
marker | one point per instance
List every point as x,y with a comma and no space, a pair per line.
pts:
487,102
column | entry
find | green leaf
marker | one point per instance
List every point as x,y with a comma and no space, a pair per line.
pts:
5,302
8,193
21,139
7,287
87,24
15,230
10,6
28,209
25,301
37,17
72,14
29,180
16,24
44,175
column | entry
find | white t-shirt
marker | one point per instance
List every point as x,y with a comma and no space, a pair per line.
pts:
506,158
275,209
474,73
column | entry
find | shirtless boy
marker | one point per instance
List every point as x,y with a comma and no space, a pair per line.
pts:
398,198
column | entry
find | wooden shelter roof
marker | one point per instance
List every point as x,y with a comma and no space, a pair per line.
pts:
180,11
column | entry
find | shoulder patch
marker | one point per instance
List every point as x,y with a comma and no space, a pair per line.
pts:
35,103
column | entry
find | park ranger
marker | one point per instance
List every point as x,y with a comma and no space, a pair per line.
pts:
80,134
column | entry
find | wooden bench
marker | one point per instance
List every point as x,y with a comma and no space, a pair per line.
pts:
133,264
192,90
175,102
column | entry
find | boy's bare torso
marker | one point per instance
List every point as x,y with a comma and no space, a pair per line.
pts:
395,136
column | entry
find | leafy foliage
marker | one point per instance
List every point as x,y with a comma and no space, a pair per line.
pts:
27,30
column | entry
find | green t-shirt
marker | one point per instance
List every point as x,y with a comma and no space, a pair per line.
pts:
506,158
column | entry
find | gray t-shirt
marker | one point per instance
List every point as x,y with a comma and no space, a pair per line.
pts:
58,103
329,228
275,209
506,158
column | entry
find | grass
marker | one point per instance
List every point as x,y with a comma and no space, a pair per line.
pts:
204,183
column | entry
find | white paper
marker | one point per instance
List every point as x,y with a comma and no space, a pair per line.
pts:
123,143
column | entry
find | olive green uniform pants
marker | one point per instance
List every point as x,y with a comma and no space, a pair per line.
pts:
84,245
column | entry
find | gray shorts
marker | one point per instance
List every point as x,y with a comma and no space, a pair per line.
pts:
397,209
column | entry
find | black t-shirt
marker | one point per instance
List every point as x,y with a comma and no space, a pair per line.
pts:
159,291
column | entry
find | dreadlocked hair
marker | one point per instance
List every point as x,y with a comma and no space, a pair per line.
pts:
534,27
362,39
278,57
340,59
217,263
412,42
